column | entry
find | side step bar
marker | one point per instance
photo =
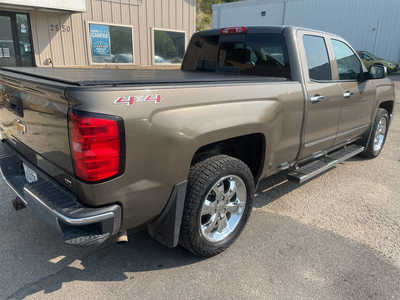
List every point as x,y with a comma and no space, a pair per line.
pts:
323,164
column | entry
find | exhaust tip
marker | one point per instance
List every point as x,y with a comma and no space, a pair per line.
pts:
122,237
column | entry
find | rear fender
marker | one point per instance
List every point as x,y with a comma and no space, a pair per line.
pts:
188,129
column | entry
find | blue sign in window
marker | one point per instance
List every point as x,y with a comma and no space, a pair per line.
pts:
100,38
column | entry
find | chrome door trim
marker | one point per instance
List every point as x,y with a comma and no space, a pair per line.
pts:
325,139
352,130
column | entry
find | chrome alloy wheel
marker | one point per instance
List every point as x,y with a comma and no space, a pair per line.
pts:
222,208
380,134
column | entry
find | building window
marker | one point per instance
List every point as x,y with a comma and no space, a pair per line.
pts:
169,46
111,44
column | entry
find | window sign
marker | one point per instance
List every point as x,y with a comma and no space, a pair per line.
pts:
111,43
6,52
23,28
100,38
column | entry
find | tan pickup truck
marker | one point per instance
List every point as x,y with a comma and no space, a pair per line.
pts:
180,152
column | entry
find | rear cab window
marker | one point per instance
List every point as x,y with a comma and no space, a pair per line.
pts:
319,67
260,54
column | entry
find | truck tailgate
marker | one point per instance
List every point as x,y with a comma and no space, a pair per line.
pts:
34,120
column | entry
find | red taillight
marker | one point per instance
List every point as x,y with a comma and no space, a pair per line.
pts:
233,30
95,146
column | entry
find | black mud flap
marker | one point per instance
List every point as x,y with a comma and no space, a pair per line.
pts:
165,229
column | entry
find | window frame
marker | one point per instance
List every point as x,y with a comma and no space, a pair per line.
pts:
335,61
328,52
153,51
89,43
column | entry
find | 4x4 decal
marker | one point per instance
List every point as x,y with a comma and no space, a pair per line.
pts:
129,100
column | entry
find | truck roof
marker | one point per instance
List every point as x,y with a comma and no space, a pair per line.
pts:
94,77
266,29
250,29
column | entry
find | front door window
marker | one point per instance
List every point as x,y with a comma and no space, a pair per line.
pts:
349,66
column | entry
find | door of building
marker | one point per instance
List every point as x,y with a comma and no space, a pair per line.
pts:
15,40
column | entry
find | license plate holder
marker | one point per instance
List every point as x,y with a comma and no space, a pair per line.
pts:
30,175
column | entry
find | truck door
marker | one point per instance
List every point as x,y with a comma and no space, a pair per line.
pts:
357,97
323,96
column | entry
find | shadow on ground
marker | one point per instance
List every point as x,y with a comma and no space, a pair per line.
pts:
276,186
276,257
109,263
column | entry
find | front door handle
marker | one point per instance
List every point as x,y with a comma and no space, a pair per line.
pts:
317,98
347,94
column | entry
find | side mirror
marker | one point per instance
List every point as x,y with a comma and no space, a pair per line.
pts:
377,72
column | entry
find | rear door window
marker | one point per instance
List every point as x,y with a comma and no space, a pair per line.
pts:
319,67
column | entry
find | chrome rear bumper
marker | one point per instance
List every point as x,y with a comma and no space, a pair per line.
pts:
80,225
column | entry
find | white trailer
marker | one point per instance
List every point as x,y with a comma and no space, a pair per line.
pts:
372,25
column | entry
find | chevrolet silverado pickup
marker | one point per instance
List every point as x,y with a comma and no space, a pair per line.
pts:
180,152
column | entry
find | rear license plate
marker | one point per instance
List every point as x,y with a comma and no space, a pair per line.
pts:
30,175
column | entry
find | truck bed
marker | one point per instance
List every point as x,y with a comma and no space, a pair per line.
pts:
93,77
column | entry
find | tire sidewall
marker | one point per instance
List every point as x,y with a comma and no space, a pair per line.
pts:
246,214
380,114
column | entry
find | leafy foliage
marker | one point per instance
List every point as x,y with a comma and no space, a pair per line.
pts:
204,12
165,46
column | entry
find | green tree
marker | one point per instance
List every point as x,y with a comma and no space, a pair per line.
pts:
204,12
165,46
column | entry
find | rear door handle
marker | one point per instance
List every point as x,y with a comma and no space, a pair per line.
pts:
317,98
347,94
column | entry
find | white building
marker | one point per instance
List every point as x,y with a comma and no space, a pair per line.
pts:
372,25
95,33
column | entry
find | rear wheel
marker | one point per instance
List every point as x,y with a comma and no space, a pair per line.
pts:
218,204
378,135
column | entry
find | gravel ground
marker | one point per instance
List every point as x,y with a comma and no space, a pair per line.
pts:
335,237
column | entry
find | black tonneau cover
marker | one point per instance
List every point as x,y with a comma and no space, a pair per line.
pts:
92,77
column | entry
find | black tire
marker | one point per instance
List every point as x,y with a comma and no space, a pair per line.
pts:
202,177
369,151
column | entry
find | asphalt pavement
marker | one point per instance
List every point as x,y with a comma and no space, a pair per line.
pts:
335,237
